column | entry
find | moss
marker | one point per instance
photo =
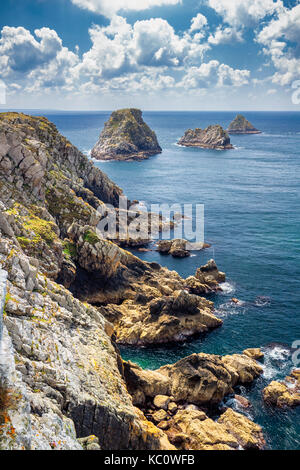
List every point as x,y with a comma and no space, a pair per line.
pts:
43,229
91,237
66,206
70,249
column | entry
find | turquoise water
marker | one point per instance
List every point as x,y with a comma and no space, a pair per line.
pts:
252,219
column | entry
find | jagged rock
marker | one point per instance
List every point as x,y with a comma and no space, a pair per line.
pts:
254,353
193,430
126,137
166,319
199,379
240,125
209,276
179,248
242,401
286,393
213,137
248,434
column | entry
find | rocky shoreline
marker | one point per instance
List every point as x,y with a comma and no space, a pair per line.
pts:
72,296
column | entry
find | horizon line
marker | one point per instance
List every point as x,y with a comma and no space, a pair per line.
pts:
149,110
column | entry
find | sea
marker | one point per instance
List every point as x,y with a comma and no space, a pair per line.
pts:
251,197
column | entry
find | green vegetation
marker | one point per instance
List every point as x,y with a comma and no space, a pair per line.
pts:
91,237
70,250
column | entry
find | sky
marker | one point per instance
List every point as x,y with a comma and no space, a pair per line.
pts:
151,54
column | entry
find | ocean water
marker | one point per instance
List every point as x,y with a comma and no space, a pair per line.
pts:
252,219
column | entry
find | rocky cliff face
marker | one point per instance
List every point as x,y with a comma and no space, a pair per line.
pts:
240,125
126,137
69,371
213,137
71,294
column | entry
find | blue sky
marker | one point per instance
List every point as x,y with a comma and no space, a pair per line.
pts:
153,54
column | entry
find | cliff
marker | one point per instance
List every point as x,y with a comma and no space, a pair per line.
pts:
240,125
126,137
213,137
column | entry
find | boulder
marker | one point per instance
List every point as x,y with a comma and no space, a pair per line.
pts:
254,353
286,393
161,402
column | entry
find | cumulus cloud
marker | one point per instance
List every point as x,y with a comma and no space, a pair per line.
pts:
225,36
241,13
147,56
281,41
198,22
121,48
22,52
214,74
41,60
111,7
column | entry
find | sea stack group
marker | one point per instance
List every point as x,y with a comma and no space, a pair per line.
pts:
127,137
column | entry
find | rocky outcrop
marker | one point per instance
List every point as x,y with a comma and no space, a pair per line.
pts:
126,137
213,137
199,379
192,429
177,398
240,125
179,248
285,393
254,353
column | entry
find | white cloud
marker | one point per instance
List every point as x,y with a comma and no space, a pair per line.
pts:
21,52
225,36
281,41
121,48
198,22
214,74
111,7
241,13
148,56
37,61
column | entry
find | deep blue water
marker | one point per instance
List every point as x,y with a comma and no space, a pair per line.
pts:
252,219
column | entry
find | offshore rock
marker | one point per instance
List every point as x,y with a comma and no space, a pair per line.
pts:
179,248
286,393
213,137
126,137
240,125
